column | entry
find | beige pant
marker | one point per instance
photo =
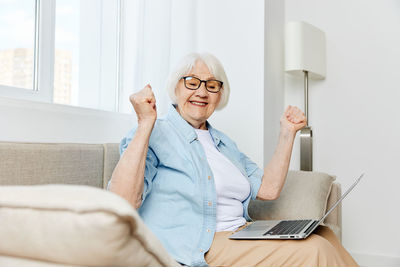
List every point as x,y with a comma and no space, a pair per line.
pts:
322,248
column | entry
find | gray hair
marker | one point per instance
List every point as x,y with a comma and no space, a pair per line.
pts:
187,63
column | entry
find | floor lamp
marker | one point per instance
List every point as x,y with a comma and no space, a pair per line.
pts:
305,56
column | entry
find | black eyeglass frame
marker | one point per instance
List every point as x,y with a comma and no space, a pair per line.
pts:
201,81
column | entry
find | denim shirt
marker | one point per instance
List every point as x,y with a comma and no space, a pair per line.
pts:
179,197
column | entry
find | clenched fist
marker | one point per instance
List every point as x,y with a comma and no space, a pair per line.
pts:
144,104
293,119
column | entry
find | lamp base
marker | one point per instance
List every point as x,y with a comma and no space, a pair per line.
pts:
306,155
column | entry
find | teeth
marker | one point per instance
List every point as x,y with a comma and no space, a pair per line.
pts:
198,103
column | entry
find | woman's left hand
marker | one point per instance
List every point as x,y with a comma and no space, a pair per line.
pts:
292,120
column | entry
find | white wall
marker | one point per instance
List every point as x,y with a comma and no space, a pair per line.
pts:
355,117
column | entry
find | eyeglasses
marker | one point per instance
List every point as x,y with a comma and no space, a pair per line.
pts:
193,83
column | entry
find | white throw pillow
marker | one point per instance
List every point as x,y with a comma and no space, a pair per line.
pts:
76,225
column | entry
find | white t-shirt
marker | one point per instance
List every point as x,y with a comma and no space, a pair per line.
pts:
231,186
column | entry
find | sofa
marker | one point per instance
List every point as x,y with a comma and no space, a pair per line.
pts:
55,211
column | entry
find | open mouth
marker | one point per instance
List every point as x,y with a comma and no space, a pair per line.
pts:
200,104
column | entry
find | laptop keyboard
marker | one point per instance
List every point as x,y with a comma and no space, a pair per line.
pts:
288,227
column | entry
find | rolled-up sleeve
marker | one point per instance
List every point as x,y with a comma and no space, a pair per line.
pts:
149,173
151,163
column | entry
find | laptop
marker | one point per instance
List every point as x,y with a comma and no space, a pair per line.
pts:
285,229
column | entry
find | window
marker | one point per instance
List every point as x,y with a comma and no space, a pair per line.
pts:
17,46
61,51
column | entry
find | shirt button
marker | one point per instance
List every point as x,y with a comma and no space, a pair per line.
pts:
201,250
209,177
209,203
208,230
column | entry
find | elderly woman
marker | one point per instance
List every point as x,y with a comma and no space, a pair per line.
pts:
192,185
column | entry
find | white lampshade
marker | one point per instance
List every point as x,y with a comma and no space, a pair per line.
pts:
305,50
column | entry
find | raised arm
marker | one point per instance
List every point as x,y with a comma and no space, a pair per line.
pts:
275,172
128,176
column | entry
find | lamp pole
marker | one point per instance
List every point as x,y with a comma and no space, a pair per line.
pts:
306,155
306,94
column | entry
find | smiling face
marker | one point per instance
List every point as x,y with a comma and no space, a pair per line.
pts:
196,106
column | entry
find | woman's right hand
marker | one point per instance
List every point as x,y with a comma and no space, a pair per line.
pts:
144,104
